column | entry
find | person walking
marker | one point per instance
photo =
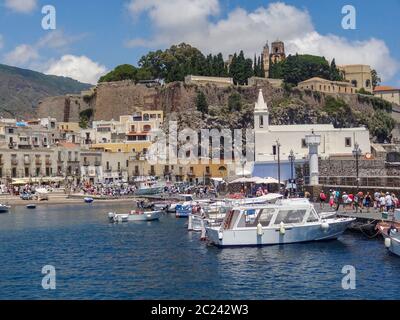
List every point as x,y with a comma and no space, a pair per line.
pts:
322,199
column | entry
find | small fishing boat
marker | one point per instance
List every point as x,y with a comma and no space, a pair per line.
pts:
391,233
88,200
134,215
286,221
31,206
4,208
183,210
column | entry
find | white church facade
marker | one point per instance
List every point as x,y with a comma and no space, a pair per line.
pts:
271,139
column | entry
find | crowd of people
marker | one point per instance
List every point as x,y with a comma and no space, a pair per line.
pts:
379,201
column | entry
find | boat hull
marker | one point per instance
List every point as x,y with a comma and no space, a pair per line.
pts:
148,191
147,216
394,246
274,236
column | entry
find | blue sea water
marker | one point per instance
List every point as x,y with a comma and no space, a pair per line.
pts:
161,260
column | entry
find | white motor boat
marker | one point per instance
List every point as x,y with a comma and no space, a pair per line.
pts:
134,216
4,208
286,221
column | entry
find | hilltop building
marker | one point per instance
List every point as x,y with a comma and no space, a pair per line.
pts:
277,54
388,93
327,86
359,75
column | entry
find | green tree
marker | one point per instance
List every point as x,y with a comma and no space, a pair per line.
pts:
235,102
376,80
201,103
335,74
122,72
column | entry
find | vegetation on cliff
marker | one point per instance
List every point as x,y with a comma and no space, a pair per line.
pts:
297,68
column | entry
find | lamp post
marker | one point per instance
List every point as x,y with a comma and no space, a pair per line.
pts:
357,154
278,150
292,158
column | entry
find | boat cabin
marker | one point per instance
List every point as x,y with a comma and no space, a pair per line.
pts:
286,212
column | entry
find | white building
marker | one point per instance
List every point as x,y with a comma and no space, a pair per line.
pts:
270,138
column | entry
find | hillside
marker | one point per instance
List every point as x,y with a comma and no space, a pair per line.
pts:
178,101
21,90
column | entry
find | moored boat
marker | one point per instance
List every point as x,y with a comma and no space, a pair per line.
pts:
134,216
88,199
4,208
31,206
286,221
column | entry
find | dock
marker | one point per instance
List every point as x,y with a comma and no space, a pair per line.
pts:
366,216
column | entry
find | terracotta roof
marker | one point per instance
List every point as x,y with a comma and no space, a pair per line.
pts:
385,88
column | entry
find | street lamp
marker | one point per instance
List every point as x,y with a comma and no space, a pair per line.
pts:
292,158
278,149
357,154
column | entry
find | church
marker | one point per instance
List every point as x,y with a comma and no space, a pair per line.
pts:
273,139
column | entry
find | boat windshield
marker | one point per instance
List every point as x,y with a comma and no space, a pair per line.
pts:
252,217
290,216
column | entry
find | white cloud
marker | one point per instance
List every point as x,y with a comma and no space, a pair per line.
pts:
196,22
80,68
21,6
21,55
57,39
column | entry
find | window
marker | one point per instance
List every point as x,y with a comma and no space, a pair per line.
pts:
368,83
303,143
265,217
347,142
290,216
274,150
261,122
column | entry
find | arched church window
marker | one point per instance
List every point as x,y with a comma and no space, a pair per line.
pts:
354,83
368,83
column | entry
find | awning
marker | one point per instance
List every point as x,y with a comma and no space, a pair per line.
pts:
22,181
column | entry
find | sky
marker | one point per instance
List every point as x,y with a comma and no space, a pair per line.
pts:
92,37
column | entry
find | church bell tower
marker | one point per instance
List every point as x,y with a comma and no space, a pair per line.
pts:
265,57
261,114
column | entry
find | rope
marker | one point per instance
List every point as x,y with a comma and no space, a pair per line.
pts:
367,235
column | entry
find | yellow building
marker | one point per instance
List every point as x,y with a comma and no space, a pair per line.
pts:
68,126
387,93
327,86
359,75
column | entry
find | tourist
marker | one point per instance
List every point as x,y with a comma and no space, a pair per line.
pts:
377,196
388,202
322,199
367,201
382,202
345,200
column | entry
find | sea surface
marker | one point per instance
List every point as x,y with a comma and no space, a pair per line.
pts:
94,259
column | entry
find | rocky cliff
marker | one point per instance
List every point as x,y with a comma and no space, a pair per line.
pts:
178,101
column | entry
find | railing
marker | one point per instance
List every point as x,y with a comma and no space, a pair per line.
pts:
48,162
14,162
388,181
38,162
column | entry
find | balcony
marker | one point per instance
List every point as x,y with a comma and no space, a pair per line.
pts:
38,162
97,163
48,162
152,173
1,162
85,163
27,161
190,174
14,162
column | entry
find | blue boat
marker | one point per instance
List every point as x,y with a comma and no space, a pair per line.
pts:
88,200
183,210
